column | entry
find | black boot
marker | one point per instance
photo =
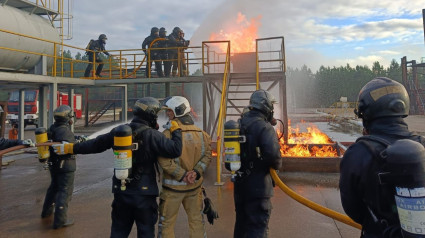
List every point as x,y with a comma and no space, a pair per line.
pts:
47,211
68,222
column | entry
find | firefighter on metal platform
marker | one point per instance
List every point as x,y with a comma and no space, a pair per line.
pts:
152,55
96,47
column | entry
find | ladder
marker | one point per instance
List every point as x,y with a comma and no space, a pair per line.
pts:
100,113
241,86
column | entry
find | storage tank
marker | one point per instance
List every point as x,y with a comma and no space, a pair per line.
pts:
18,21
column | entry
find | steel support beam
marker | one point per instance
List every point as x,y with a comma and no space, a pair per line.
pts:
124,105
71,104
21,114
53,101
42,102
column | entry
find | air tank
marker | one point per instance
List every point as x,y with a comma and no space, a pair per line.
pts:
18,21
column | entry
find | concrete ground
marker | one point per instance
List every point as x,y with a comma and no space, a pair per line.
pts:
24,182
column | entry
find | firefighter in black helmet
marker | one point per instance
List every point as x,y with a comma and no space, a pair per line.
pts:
176,39
96,47
382,105
260,152
164,52
152,55
62,169
138,202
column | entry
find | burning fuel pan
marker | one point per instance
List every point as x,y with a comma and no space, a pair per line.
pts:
318,164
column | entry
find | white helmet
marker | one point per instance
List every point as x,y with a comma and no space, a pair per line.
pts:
179,105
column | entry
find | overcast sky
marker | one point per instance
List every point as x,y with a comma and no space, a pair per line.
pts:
316,32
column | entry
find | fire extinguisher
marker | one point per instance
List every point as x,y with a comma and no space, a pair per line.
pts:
406,171
123,146
232,147
43,151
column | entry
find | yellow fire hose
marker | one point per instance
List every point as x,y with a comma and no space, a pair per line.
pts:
318,208
18,147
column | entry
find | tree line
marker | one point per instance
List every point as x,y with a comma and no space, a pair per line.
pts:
327,85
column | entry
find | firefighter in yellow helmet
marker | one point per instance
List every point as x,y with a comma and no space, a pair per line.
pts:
183,176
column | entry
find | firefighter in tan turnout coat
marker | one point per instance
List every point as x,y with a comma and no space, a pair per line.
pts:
183,176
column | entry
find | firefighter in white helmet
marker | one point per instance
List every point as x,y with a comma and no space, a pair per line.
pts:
183,176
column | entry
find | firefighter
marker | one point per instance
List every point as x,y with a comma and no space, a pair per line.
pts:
261,151
152,55
62,169
183,176
176,39
96,47
164,52
382,105
137,203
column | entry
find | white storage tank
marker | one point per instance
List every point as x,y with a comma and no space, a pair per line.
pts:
18,21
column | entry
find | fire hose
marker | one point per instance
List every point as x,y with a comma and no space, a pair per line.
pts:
318,208
18,147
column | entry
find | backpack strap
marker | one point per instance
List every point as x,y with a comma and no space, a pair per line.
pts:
246,151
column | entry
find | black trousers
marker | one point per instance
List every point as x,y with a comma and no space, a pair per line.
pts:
130,208
252,215
158,65
59,193
90,66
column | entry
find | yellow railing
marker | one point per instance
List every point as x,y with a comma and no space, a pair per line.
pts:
121,63
276,58
206,62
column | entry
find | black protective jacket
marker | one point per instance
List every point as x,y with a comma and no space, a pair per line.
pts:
175,41
97,46
359,185
59,132
256,180
152,144
5,143
147,42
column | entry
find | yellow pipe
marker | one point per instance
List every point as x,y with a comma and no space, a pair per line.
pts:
318,208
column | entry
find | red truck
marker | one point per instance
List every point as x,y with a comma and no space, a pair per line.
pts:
31,106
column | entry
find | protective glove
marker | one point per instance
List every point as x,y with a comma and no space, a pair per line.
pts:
210,211
28,142
64,148
172,126
82,138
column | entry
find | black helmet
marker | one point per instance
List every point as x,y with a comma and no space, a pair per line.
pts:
154,30
262,101
63,113
162,32
382,97
147,108
102,37
176,30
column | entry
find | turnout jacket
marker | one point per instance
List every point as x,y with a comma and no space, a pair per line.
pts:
359,184
152,144
196,155
59,132
5,143
255,180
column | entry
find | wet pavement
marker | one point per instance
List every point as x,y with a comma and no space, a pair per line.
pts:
24,182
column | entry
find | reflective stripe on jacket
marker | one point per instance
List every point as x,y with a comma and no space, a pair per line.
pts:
196,155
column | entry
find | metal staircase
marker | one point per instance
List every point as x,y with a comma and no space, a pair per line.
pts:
240,88
100,113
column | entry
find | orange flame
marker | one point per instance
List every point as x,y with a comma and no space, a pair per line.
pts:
302,140
241,33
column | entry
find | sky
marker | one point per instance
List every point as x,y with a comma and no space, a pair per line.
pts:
316,32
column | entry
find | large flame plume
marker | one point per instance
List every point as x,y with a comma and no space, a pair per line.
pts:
242,34
300,142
